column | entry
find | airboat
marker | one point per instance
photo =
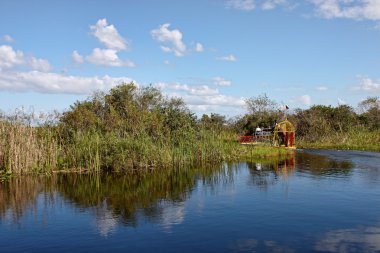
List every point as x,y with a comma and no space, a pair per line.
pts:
281,135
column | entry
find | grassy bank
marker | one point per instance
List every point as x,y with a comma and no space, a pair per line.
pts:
353,139
26,149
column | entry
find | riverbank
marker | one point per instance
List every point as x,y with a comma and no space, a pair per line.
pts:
351,140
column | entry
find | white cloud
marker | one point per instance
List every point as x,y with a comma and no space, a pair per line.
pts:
243,5
107,57
271,4
220,81
351,9
77,58
108,35
214,100
304,100
39,64
230,57
172,39
341,101
199,47
202,90
203,99
8,38
249,5
322,88
166,62
56,83
367,84
10,58
111,39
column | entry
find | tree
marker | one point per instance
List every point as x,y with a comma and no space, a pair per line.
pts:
370,115
262,110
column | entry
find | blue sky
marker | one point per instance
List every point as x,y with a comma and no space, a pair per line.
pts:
212,53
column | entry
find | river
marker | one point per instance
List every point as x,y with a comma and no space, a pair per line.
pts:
313,201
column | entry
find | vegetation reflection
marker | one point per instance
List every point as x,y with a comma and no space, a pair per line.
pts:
128,196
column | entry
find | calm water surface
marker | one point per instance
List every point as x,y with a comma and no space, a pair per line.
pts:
315,201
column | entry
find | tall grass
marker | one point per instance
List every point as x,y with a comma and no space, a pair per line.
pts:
355,138
26,148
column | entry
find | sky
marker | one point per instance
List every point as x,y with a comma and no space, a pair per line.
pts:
213,54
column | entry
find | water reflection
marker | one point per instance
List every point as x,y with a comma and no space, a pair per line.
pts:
20,194
361,239
212,201
254,245
268,172
317,164
105,222
159,196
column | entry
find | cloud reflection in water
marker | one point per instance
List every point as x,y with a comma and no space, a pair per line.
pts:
361,239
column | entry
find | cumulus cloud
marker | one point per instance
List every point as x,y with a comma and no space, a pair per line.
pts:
249,5
220,81
200,96
199,47
322,88
367,84
243,5
111,39
351,9
230,57
171,39
56,83
107,57
202,90
271,4
39,64
77,58
215,100
10,58
8,38
108,35
341,101
304,100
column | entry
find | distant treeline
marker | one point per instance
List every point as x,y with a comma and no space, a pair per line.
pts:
319,126
138,128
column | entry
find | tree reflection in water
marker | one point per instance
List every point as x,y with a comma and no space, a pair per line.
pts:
158,196
18,195
322,165
267,172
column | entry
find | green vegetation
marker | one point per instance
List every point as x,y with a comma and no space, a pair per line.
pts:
133,128
341,127
128,129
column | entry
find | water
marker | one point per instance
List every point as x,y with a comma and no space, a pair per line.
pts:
315,201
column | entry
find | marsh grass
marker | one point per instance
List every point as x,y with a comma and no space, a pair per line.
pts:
356,138
26,149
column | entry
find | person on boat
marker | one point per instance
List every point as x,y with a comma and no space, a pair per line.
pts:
258,131
274,125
